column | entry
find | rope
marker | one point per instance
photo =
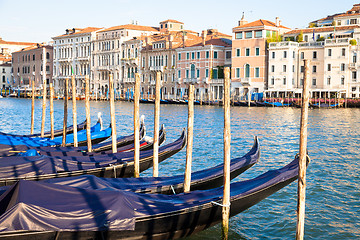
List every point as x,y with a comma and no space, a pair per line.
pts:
172,188
221,205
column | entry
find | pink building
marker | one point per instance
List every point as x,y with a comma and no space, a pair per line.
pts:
201,62
250,54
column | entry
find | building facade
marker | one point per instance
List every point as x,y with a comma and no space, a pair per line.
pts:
72,56
5,75
28,65
250,54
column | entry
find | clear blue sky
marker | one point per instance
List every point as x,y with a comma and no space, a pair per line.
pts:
39,20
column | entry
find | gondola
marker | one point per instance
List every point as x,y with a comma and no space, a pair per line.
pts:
115,165
100,149
200,180
324,105
97,136
277,104
57,133
48,211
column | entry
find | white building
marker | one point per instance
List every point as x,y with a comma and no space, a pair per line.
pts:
72,54
110,56
5,75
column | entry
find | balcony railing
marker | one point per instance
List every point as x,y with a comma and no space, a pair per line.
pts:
157,68
191,80
217,81
245,80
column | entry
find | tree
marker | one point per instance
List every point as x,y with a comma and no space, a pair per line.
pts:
353,42
300,37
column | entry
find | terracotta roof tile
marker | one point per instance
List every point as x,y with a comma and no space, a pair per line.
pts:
15,43
322,29
80,31
259,23
35,46
131,27
171,20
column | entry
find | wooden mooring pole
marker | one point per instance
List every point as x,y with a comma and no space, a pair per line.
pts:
73,86
51,110
87,112
44,93
303,155
136,126
112,114
227,140
189,146
32,107
156,125
65,111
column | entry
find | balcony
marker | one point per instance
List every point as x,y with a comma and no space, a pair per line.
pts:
103,68
130,61
352,66
129,80
217,81
157,68
191,80
245,80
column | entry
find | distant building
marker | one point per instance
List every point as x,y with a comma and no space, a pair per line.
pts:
110,57
28,65
201,62
72,55
250,54
8,47
5,75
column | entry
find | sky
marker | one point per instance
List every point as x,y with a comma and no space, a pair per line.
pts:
39,20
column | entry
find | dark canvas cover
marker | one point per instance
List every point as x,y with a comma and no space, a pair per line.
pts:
42,206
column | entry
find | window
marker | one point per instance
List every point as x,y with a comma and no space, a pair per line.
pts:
293,68
329,67
198,55
33,57
179,74
257,51
197,73
187,55
284,68
353,75
342,67
353,21
239,35
329,52
193,55
238,51
247,52
207,72
272,68
285,54
314,81
257,72
248,34
342,81
215,73
284,81
258,34
179,56
302,55
247,70
187,73
328,80
228,54
314,69
192,68
314,55
237,72
215,54
302,69
293,54
273,55
207,54
272,81
343,52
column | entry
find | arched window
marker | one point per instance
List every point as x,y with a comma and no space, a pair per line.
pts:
247,70
192,71
47,55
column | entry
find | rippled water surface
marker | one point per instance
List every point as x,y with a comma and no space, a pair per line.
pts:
333,176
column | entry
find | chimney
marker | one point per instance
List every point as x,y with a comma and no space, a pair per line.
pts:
243,21
277,21
203,36
184,38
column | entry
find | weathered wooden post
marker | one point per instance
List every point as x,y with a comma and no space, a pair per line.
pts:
249,97
51,110
190,129
32,107
303,155
112,114
65,111
73,85
227,140
136,126
156,125
87,112
44,93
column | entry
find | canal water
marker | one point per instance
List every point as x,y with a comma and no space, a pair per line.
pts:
333,176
